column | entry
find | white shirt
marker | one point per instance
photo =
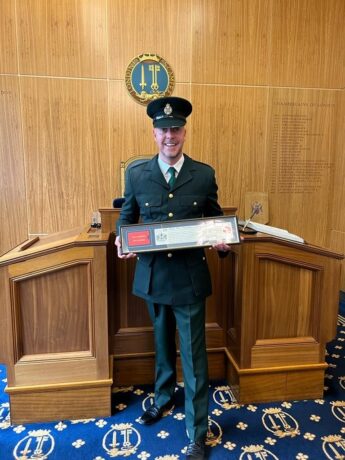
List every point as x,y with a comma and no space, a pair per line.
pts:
165,166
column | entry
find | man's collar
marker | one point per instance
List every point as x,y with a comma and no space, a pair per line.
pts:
165,166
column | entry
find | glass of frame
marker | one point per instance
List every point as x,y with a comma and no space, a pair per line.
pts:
179,234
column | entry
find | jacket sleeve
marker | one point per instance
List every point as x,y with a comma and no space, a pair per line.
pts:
130,211
212,207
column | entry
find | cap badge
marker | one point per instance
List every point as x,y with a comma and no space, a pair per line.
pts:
168,109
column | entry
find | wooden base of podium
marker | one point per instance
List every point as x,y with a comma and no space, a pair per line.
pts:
275,384
60,402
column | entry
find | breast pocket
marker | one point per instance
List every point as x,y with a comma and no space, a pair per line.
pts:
192,205
150,206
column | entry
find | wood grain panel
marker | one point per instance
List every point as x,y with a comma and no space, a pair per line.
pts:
66,148
62,38
53,310
308,43
302,151
231,41
160,27
12,184
61,404
283,313
337,198
131,129
228,132
291,353
308,385
129,370
281,386
8,48
6,350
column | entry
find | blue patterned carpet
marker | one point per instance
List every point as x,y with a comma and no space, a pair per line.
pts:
284,430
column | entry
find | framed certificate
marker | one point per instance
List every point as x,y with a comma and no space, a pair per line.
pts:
179,234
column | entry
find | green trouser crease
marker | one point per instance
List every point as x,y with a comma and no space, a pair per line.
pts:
190,322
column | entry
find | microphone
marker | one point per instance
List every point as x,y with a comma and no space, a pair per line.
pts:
244,229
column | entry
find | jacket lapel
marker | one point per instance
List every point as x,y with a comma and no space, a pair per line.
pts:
156,173
185,175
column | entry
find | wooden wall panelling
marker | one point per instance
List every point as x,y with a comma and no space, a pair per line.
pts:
307,43
67,151
301,133
63,38
229,132
337,199
8,47
14,223
159,27
336,235
231,41
131,129
286,43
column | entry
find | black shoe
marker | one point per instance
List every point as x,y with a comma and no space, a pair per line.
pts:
155,413
195,450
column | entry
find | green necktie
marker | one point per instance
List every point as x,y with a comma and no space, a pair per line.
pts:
172,179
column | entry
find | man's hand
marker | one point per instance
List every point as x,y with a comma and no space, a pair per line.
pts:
222,247
119,251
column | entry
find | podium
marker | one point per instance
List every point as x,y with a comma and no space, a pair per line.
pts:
53,333
283,312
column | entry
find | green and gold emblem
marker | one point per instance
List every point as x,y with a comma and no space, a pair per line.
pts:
148,77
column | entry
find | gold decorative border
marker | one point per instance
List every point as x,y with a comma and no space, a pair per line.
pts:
144,97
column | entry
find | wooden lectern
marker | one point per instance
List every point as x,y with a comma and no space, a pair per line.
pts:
283,312
54,327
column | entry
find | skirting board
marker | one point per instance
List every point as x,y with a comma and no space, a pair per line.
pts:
60,402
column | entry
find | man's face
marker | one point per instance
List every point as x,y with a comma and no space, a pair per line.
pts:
170,143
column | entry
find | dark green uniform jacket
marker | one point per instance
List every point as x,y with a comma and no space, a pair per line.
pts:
181,276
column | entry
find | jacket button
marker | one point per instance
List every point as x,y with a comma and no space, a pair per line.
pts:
171,195
169,254
146,204
195,203
170,214
204,258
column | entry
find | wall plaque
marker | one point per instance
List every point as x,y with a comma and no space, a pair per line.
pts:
148,77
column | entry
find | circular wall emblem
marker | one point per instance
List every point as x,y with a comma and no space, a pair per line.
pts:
148,77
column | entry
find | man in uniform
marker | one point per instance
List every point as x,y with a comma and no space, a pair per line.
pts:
174,284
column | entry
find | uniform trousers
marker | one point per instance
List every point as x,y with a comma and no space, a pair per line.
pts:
190,322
